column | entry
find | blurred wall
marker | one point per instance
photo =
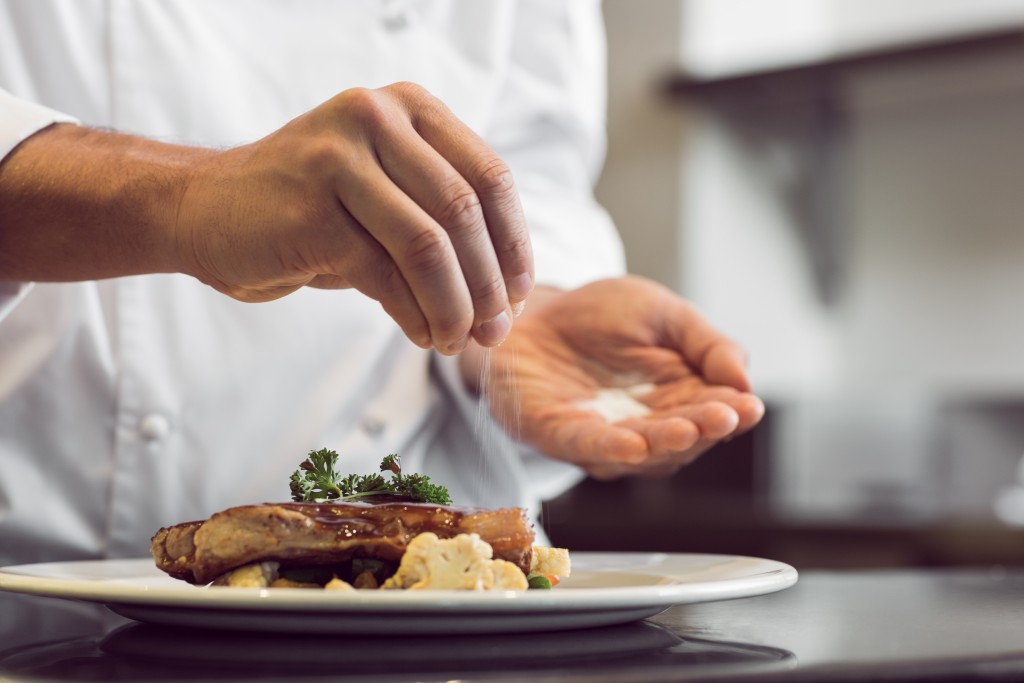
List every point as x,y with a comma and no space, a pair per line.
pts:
865,241
642,179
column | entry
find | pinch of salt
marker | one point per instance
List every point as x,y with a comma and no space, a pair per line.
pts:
615,405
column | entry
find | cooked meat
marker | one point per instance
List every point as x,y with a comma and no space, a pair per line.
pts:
308,534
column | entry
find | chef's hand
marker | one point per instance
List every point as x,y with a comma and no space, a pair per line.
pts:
617,334
381,190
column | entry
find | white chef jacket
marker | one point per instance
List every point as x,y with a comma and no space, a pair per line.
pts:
132,403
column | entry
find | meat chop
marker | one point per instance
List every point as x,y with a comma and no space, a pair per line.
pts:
311,534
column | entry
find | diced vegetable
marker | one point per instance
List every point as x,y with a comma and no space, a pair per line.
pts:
539,581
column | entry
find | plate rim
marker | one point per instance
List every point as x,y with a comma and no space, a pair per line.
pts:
773,576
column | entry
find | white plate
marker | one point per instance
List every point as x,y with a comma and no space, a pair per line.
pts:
604,589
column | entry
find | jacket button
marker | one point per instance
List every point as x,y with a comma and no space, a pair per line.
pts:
154,426
398,19
371,426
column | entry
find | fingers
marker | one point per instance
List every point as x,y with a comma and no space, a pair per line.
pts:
669,435
725,362
457,209
719,359
666,443
382,190
419,252
444,208
586,439
491,180
678,398
674,436
371,270
750,410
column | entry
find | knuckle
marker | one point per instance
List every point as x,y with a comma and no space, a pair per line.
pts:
490,290
494,179
389,284
366,106
322,155
513,245
416,99
461,210
407,90
428,251
295,216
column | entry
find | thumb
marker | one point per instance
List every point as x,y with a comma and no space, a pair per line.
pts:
719,359
725,362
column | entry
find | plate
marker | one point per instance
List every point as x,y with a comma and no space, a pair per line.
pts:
604,589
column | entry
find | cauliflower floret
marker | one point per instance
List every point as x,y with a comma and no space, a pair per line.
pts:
550,561
256,575
508,577
336,584
460,563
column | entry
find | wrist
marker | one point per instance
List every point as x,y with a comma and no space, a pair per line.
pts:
82,204
151,194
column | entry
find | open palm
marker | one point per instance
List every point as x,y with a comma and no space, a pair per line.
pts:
670,386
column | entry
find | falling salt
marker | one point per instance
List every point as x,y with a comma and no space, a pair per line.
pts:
497,432
617,404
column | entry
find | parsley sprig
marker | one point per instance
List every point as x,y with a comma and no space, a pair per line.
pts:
317,481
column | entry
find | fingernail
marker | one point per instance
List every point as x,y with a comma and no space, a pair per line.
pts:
495,330
458,346
519,287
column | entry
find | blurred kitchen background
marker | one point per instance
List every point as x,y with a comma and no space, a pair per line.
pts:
839,184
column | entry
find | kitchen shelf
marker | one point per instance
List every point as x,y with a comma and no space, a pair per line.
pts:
808,82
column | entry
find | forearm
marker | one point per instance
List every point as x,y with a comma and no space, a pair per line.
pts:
83,204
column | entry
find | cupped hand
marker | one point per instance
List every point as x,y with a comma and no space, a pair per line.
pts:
381,190
635,341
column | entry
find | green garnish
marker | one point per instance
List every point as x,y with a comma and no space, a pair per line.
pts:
317,481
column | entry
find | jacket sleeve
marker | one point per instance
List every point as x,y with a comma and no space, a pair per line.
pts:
20,119
549,126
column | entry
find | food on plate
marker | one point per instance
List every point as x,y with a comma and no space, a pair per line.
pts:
550,561
314,534
358,533
317,481
460,563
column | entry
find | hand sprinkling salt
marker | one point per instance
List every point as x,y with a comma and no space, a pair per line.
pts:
615,405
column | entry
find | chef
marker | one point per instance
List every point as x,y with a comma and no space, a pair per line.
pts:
233,231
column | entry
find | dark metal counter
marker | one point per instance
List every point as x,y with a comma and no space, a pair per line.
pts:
906,625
